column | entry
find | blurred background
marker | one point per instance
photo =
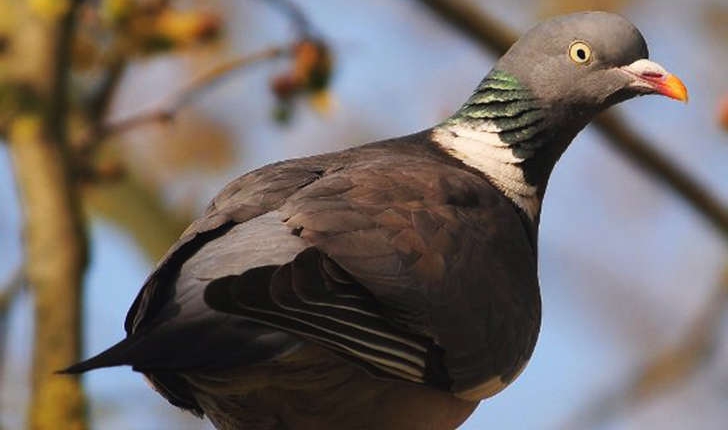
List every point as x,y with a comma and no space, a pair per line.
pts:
120,119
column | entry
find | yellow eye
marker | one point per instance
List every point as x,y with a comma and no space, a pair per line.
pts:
580,52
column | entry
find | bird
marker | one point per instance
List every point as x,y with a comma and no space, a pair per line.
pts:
392,285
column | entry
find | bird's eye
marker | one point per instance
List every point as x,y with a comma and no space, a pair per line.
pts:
580,52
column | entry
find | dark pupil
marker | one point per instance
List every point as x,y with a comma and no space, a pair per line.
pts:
581,54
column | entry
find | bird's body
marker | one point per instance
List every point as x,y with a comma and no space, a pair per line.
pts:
414,207
393,285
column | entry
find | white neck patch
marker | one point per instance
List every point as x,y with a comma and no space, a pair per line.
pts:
483,150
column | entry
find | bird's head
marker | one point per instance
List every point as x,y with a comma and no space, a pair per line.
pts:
543,91
585,62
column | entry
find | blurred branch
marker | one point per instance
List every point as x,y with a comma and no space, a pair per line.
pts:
98,108
10,290
297,17
202,83
495,36
668,368
54,234
99,104
61,71
8,293
638,149
470,19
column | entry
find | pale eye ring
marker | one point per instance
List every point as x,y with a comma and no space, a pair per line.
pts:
580,52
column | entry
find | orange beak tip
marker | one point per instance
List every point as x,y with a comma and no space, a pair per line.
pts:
674,88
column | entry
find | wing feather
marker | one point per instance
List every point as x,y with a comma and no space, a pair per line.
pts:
398,262
348,324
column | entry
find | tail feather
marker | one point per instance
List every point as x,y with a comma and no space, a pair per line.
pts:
117,355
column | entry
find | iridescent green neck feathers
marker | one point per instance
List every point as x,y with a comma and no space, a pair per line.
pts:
499,128
501,104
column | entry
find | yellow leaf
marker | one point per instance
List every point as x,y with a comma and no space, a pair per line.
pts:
186,27
49,9
25,128
9,16
117,10
322,102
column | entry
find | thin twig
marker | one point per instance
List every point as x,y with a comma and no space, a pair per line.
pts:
299,20
169,109
497,37
204,82
100,102
58,102
639,150
98,106
474,23
10,290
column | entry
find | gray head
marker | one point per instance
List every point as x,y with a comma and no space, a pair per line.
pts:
543,91
585,62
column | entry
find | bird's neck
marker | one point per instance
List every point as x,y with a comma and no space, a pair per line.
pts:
502,131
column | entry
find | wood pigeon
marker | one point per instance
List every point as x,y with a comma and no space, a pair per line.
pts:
388,286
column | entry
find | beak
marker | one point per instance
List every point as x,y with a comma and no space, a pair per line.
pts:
650,78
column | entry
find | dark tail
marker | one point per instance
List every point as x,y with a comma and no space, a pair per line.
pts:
117,355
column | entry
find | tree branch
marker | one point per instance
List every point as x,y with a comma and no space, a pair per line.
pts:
97,109
8,294
638,149
177,101
10,290
299,20
58,102
470,20
99,104
54,232
495,36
